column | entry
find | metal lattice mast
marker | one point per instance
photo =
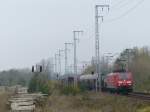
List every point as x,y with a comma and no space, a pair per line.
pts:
56,63
75,52
66,56
97,41
59,53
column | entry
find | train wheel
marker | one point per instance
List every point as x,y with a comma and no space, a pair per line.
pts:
118,92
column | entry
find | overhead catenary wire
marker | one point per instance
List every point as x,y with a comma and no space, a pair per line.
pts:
121,4
126,13
117,3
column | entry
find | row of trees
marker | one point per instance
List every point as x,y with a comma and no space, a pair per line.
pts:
140,67
15,77
35,81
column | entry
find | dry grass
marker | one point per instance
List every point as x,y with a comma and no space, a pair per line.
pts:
3,101
92,102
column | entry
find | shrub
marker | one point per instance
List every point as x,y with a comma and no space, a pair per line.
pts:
70,90
38,84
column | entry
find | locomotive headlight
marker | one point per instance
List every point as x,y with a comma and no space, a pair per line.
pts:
129,82
120,82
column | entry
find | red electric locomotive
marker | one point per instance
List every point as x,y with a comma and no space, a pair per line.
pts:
118,82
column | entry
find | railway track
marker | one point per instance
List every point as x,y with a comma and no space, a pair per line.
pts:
139,95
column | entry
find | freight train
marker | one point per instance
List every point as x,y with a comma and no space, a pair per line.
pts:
114,82
119,81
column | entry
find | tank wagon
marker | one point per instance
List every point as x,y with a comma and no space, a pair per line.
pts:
88,81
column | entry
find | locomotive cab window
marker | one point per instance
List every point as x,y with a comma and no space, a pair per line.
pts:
123,76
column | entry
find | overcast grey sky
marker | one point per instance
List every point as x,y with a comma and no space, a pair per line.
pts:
34,29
